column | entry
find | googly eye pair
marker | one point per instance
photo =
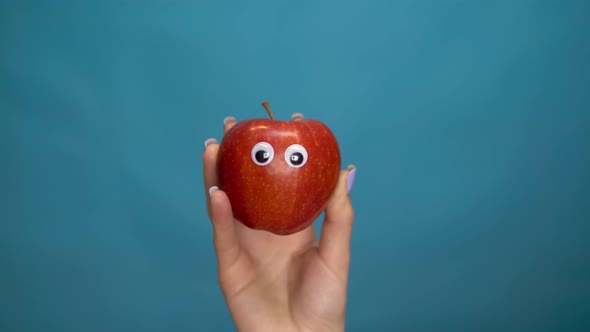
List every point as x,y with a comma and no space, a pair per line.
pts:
263,153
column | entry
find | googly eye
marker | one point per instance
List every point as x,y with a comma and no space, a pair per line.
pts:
296,155
262,153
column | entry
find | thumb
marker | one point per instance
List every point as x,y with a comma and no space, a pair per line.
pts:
227,246
337,227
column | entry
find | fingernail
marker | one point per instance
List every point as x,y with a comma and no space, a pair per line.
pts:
350,178
210,141
228,120
297,116
212,190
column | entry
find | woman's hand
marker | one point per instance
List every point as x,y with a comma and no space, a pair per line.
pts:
281,283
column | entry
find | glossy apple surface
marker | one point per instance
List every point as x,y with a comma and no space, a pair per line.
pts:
284,188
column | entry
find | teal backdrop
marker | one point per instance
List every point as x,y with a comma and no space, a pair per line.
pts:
468,122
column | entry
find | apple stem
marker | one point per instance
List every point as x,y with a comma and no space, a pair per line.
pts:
268,110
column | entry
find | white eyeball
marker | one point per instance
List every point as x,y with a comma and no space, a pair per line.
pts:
262,153
296,155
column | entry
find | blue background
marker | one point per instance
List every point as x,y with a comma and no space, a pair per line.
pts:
468,122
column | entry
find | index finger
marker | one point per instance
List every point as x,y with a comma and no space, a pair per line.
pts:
210,169
210,160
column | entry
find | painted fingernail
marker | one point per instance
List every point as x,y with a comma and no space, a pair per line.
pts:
297,116
212,190
229,120
210,141
350,178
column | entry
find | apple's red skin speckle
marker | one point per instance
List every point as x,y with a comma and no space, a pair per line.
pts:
277,197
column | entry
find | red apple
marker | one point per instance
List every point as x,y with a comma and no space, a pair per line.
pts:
278,175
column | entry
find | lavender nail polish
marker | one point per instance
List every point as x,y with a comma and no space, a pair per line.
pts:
350,180
210,141
229,119
297,116
212,190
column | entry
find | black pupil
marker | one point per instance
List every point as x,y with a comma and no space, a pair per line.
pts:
297,158
262,156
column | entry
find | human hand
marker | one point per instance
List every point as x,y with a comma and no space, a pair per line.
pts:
281,283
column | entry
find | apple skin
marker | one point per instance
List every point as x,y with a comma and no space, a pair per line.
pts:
277,197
